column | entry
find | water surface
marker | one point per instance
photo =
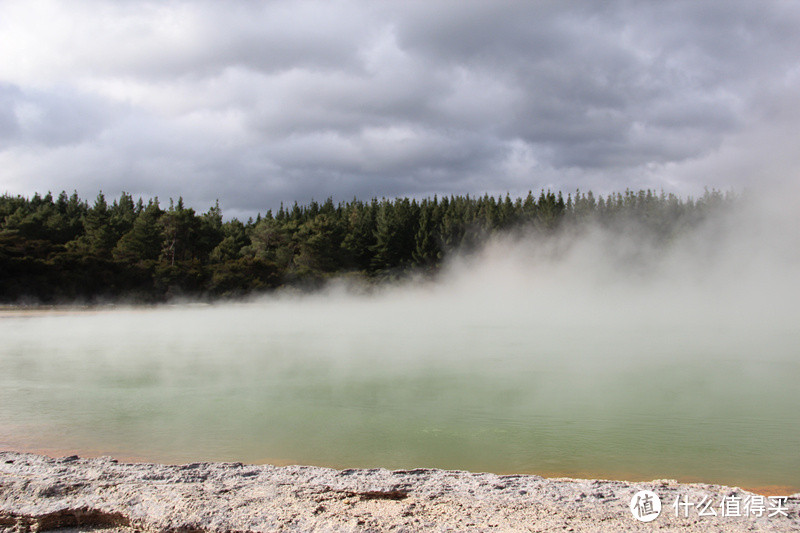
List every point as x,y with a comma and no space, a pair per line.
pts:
459,382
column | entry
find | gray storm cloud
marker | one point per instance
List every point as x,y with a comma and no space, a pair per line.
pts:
257,103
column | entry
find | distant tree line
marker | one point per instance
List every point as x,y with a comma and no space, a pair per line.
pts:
64,249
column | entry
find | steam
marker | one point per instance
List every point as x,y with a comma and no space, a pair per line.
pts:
594,351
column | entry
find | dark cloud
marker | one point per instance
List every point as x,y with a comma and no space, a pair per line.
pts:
9,126
257,103
52,118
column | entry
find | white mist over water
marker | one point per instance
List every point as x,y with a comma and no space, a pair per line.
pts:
594,353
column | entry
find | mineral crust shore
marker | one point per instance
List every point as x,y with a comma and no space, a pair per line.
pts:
39,493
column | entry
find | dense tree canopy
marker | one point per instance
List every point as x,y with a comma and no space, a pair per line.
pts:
66,249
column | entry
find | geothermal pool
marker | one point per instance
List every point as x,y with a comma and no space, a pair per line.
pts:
500,381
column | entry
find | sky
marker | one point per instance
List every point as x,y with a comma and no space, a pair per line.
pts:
257,103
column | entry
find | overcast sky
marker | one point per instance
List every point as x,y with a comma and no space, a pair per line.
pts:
260,102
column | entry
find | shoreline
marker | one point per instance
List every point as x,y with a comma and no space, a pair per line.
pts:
43,493
132,458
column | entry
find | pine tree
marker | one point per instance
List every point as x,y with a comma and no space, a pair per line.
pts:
145,239
426,246
180,227
99,236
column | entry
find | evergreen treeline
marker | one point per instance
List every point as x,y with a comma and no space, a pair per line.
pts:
57,249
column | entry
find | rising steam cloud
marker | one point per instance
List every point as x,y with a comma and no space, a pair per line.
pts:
594,351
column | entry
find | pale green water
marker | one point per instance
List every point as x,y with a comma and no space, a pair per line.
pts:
622,390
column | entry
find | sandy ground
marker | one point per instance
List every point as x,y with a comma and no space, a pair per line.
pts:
39,493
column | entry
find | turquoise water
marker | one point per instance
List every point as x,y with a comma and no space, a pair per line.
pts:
618,389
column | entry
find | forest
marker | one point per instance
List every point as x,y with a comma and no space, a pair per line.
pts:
64,249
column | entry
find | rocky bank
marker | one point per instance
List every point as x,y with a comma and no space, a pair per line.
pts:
39,493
